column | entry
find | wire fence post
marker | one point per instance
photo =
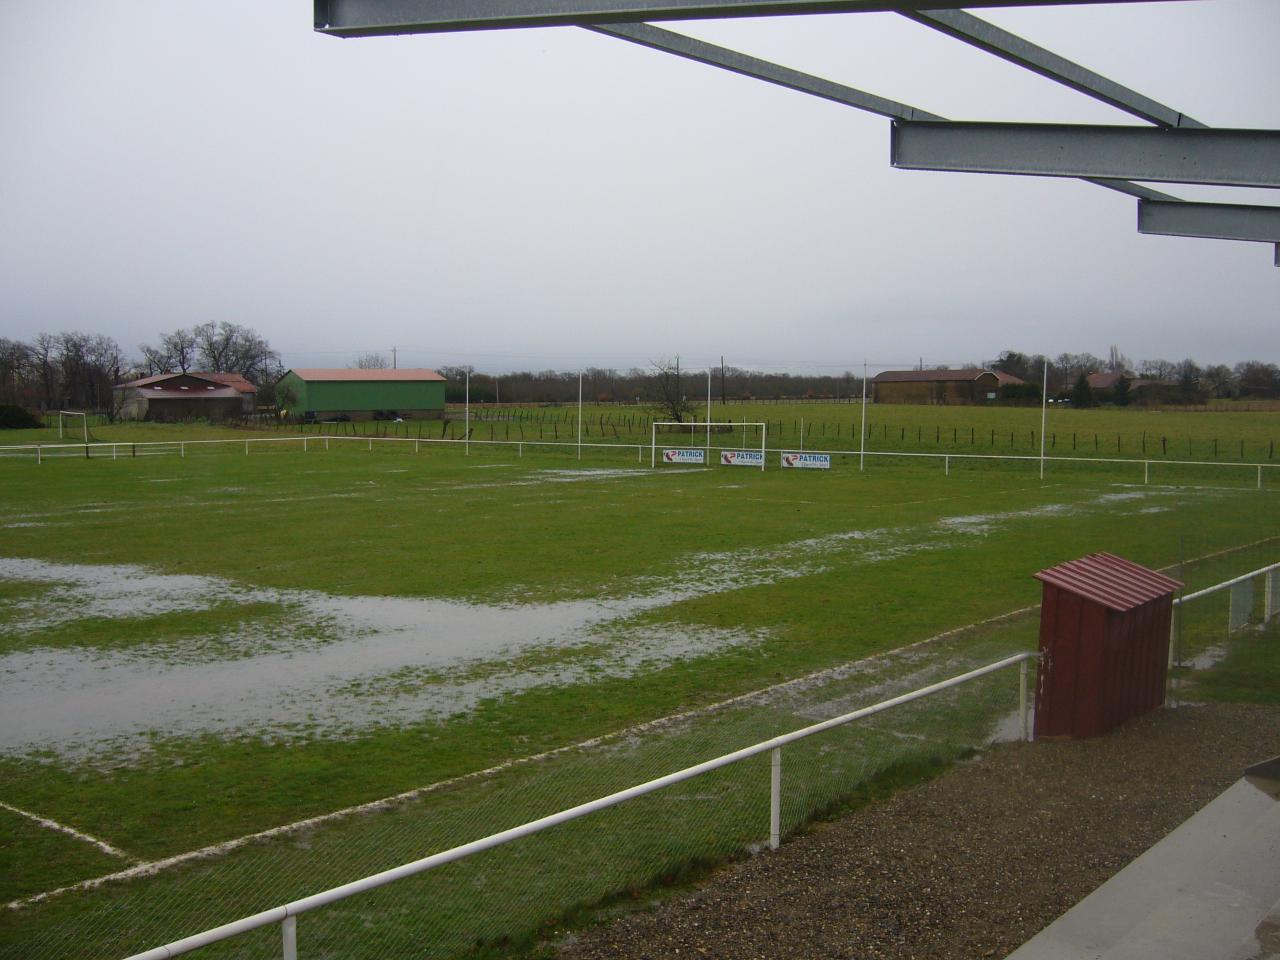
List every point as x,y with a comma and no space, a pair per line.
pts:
289,937
775,798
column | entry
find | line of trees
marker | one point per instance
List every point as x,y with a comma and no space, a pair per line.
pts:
663,383
78,370
73,370
1184,381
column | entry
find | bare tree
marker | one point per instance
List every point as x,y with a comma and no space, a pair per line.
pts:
371,361
666,391
230,348
1217,380
1157,369
15,370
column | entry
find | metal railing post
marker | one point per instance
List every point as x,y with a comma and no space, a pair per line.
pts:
289,937
304,444
946,466
182,450
1272,582
1146,471
1022,701
775,798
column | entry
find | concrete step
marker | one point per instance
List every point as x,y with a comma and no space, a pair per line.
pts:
1207,891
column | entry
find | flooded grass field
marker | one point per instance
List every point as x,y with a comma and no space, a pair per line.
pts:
194,651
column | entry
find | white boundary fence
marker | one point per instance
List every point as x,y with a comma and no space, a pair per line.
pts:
287,914
118,450
1240,608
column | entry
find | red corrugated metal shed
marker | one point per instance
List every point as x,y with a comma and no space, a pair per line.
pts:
1116,583
1104,644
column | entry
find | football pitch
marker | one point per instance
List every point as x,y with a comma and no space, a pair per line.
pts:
197,651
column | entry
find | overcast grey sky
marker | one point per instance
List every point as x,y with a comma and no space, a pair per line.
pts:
555,198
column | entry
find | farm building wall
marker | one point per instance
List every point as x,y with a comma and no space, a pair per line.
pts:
184,396
936,391
420,398
172,409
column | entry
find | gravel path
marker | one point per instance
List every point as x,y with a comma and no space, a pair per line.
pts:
971,864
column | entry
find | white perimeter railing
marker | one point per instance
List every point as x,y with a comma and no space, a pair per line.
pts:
1240,608
120,449
287,914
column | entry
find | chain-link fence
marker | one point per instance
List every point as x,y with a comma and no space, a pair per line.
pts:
512,893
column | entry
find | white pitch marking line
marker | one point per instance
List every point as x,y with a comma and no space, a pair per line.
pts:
217,849
69,831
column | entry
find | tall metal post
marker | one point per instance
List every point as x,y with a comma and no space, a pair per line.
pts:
579,415
466,417
862,434
289,936
709,415
1044,411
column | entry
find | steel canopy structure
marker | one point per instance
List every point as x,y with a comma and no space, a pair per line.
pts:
1175,149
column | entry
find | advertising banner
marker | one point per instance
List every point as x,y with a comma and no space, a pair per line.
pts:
684,456
742,458
807,461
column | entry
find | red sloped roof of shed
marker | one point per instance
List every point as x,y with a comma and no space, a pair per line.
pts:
1111,581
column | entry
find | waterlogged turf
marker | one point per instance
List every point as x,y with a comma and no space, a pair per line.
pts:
197,649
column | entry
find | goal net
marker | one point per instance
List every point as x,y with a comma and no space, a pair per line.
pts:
699,449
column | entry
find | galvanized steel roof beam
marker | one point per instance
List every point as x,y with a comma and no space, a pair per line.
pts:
1233,158
1214,221
1009,46
680,45
699,50
367,18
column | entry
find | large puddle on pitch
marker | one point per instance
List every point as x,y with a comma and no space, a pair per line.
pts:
345,664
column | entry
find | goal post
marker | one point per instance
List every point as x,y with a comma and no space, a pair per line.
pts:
84,419
729,456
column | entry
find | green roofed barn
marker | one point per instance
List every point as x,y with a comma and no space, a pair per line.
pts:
361,394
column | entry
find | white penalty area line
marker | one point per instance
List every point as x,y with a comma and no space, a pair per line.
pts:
69,831
218,849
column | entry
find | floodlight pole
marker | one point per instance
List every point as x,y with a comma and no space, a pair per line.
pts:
466,416
579,415
862,435
1044,410
708,412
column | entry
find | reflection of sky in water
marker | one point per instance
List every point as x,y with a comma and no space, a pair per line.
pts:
385,660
